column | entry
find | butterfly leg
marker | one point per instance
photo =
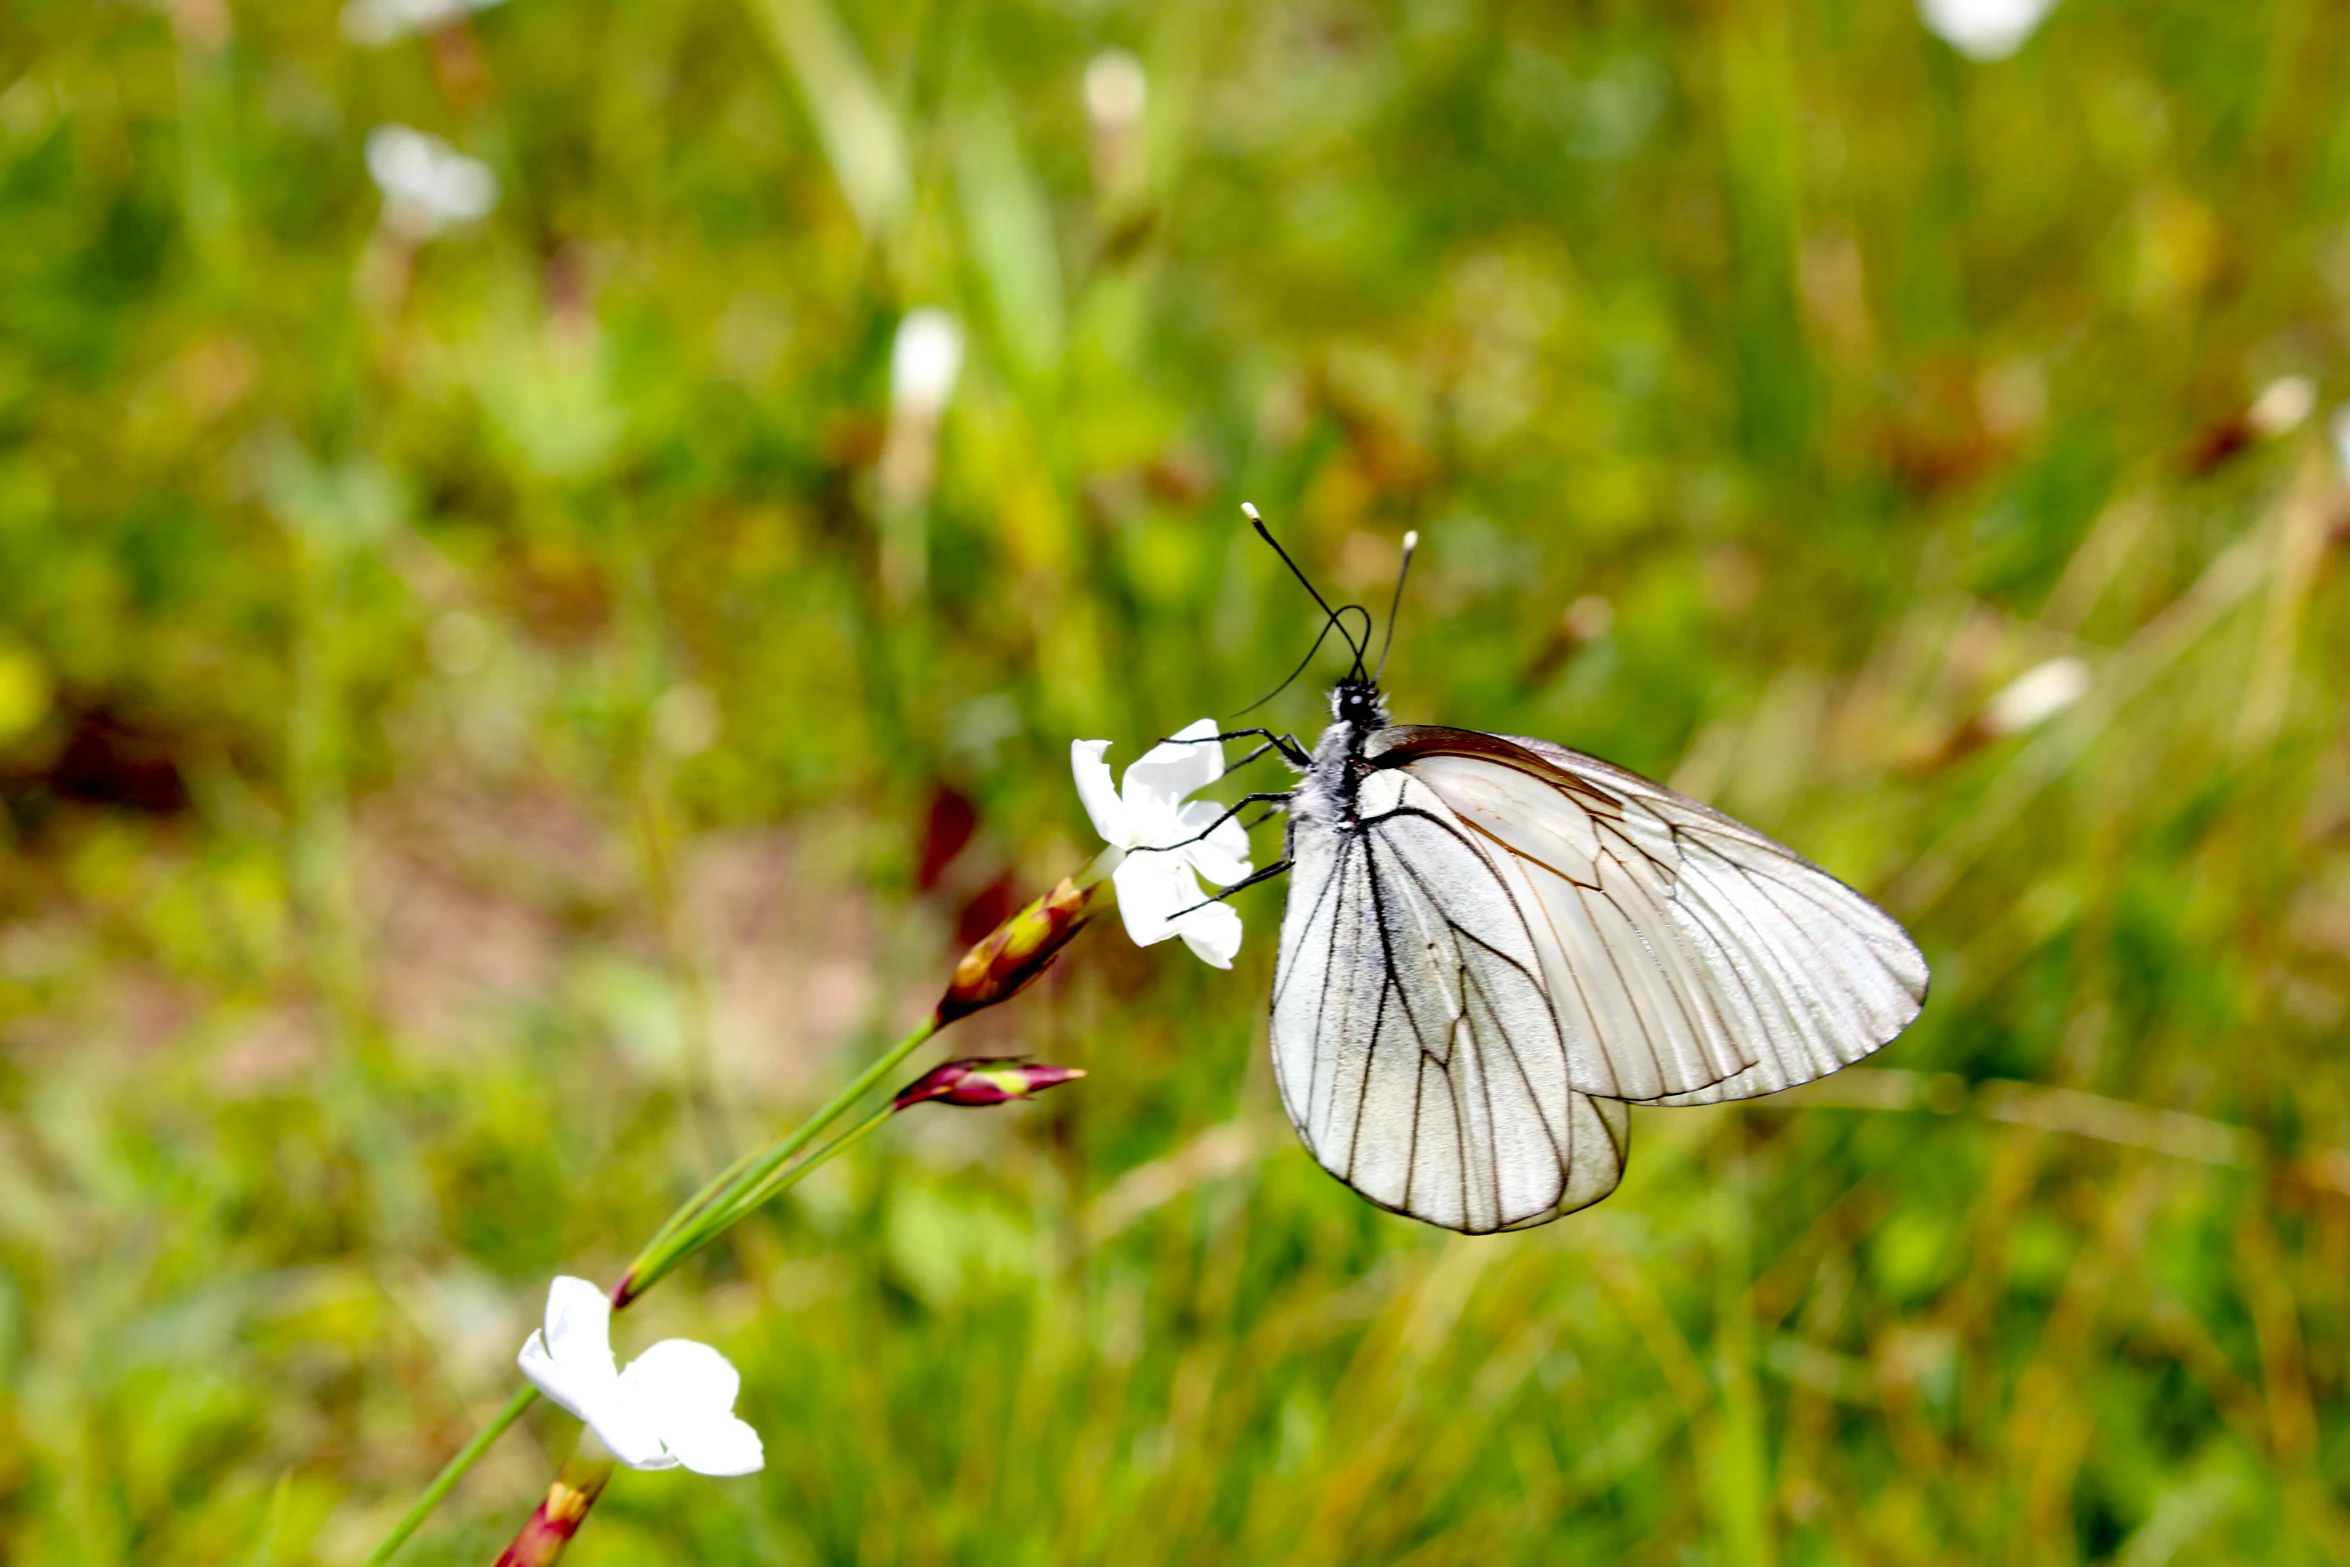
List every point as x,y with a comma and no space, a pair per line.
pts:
1288,745
1267,874
1278,799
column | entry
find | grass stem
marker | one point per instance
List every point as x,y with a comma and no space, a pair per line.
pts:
452,1472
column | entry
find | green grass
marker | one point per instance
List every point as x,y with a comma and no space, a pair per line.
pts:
383,927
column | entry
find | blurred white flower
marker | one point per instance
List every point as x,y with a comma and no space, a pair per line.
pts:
1159,894
2282,406
1984,29
672,1407
1115,90
428,185
372,23
2036,695
924,360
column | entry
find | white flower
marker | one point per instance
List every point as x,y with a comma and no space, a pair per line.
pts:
428,185
1146,814
2037,695
1115,91
924,359
371,23
673,1406
1984,29
2282,406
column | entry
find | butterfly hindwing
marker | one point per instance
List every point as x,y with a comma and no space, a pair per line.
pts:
1414,1039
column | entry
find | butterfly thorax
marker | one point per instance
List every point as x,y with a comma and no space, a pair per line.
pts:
1327,792
1357,703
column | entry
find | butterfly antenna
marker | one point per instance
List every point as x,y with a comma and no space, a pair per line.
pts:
1249,510
1293,674
1411,542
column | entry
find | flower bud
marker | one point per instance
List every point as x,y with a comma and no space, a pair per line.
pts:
984,1082
1015,952
558,1518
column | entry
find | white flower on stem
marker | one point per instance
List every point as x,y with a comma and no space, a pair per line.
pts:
2282,406
1116,93
1984,29
428,185
672,1407
373,23
1167,841
2036,695
924,359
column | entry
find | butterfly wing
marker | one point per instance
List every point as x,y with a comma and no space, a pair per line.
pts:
1689,958
1414,1040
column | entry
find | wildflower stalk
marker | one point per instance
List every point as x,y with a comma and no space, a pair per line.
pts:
1006,962
998,968
760,1180
979,1082
454,1471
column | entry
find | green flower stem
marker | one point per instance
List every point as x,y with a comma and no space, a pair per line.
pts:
741,1187
783,1180
447,1479
725,1216
694,1205
718,1205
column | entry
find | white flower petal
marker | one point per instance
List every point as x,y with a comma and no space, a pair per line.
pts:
571,1363
626,1426
723,1446
1099,794
1222,855
1984,29
1173,770
1212,933
1152,889
1171,842
681,1380
1230,840
579,1327
574,1390
924,359
432,179
687,1391
2037,695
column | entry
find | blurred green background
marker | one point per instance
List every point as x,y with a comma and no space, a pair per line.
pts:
496,714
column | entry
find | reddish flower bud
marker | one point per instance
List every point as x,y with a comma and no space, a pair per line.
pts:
558,1518
1015,952
984,1082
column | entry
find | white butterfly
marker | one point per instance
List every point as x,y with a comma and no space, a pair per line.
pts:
1492,944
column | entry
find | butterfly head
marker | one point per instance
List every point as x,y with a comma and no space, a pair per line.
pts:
1357,702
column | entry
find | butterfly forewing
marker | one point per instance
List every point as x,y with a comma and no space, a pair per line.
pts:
1689,958
1414,1038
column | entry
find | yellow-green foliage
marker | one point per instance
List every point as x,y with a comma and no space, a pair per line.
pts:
468,761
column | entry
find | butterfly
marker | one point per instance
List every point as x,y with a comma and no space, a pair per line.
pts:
1493,945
